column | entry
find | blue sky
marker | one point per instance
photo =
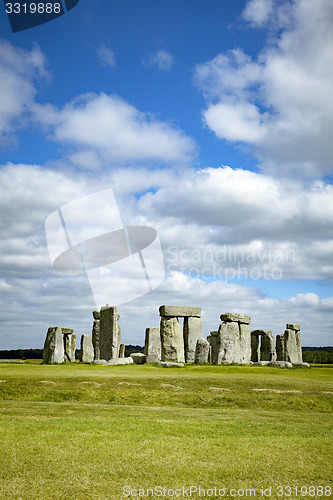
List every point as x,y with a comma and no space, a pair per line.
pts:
211,121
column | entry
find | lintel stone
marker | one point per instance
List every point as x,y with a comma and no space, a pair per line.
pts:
293,326
66,331
180,311
237,318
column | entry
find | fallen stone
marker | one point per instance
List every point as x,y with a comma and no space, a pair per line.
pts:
152,349
192,333
87,349
180,311
293,326
99,362
170,364
15,361
138,358
280,364
306,365
202,352
119,361
238,318
53,351
260,363
172,342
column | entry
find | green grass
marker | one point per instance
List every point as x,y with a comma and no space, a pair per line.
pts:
85,432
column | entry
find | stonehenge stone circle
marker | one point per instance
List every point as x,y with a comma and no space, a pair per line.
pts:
87,349
152,349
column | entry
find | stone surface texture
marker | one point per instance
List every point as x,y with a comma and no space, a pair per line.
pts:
69,347
262,346
152,349
213,339
192,333
109,335
288,346
96,334
238,318
202,351
87,349
138,358
180,311
54,346
172,342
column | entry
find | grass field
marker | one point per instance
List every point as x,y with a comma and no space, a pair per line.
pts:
87,432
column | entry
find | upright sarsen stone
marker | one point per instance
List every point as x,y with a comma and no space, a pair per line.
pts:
109,335
213,339
69,347
192,333
152,349
95,335
288,345
87,349
53,351
202,351
234,339
172,343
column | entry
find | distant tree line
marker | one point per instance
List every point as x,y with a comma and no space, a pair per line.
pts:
38,353
320,355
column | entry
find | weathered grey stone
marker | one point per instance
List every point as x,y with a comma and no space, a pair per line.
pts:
202,351
229,343
96,335
109,336
260,363
234,341
192,333
69,347
245,343
119,361
99,362
96,315
180,311
170,364
152,349
288,347
214,345
66,331
87,349
262,343
306,365
172,343
293,326
138,358
280,364
54,346
238,318
122,351
255,348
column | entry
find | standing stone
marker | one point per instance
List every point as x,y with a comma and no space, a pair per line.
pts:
172,342
122,351
229,343
255,348
192,333
234,339
54,346
87,349
267,348
69,347
214,346
288,345
202,351
109,336
152,349
96,335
